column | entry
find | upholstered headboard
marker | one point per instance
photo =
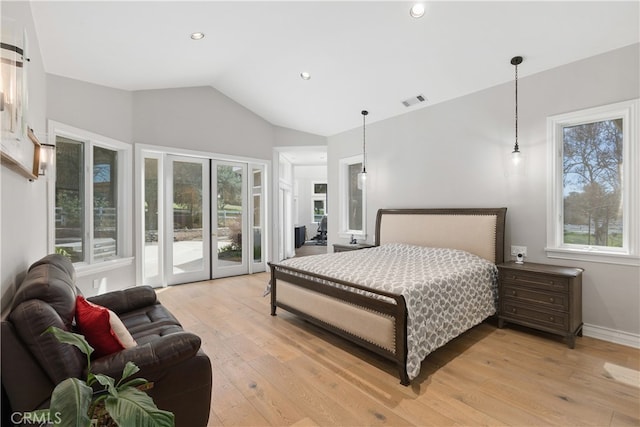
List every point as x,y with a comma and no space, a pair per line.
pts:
476,230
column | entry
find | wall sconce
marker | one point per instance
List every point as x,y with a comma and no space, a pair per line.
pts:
362,176
47,158
516,155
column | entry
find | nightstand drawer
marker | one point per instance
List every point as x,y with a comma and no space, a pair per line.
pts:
553,300
541,281
551,319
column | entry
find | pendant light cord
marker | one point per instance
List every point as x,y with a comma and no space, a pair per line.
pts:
517,148
516,60
364,141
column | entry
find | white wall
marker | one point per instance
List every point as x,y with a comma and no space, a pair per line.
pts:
453,155
98,109
291,137
23,216
200,118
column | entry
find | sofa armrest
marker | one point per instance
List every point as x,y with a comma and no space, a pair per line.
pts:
127,299
159,354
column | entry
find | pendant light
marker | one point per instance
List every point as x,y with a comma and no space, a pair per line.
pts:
516,155
362,176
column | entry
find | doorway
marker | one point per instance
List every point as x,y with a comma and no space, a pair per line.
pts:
300,181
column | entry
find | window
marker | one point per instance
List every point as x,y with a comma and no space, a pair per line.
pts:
319,201
319,188
90,219
593,212
352,199
258,208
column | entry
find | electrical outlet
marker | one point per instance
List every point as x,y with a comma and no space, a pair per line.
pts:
515,250
100,283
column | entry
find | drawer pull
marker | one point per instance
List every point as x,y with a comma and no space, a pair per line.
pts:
551,300
551,318
513,310
514,293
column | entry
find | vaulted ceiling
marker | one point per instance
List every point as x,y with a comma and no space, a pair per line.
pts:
360,55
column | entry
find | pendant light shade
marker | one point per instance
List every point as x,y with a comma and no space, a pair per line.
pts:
362,176
516,155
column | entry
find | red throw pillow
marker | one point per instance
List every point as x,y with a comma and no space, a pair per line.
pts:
96,324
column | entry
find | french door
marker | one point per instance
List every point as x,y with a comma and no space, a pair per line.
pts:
202,218
229,236
187,224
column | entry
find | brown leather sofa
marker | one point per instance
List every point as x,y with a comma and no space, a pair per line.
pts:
33,363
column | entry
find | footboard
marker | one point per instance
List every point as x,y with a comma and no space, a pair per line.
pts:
373,319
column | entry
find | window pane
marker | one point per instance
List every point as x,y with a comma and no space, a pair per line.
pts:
355,198
318,210
151,254
320,188
105,203
229,180
592,184
69,216
257,217
187,217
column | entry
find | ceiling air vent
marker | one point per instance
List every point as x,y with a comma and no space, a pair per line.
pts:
413,100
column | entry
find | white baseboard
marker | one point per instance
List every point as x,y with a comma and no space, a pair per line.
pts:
611,335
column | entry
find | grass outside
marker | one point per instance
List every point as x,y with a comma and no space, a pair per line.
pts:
614,240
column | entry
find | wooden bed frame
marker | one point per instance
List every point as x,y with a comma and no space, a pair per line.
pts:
380,324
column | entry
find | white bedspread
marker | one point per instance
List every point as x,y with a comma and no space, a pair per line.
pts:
447,291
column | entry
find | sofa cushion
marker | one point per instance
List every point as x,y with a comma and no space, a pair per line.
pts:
60,262
23,378
125,300
97,323
51,283
151,334
31,319
147,318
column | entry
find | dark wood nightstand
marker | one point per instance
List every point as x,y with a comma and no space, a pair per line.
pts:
337,247
540,296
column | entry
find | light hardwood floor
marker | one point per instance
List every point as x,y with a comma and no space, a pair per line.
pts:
282,371
311,249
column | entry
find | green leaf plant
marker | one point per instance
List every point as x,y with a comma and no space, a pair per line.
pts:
75,403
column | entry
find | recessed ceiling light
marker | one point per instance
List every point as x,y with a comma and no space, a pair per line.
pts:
417,10
197,36
305,76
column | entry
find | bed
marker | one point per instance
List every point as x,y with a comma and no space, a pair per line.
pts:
430,276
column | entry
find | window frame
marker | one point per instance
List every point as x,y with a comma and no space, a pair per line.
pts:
313,188
124,196
313,208
343,203
318,197
629,254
